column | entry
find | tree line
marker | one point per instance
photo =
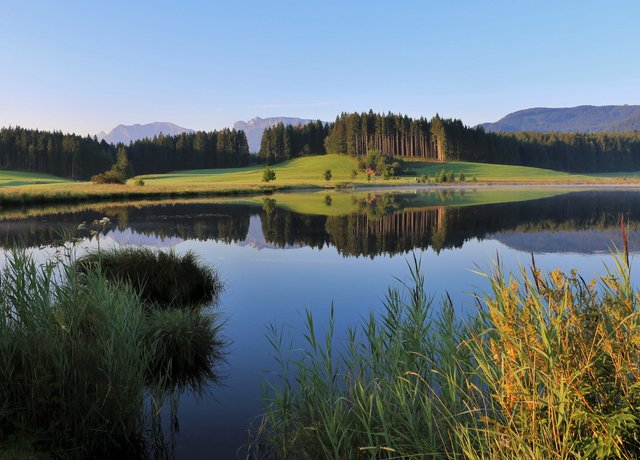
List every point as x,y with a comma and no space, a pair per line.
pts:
446,139
226,148
356,134
398,135
64,155
282,142
79,158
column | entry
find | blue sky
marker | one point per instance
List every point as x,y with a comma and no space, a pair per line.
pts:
86,66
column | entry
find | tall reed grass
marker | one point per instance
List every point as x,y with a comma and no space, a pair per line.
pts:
81,355
548,368
72,368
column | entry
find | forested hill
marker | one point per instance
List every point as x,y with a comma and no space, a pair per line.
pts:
256,126
128,133
585,118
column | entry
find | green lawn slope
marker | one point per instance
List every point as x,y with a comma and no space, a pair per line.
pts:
300,171
496,173
309,171
20,178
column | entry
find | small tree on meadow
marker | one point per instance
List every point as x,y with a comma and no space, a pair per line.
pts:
327,175
268,175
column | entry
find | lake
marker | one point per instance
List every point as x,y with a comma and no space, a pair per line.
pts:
284,254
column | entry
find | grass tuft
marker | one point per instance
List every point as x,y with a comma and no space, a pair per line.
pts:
187,347
163,279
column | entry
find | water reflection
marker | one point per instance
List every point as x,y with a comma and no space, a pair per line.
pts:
376,224
280,255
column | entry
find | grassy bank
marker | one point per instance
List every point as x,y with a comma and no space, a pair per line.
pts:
300,173
547,369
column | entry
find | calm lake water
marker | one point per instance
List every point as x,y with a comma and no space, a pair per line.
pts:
277,263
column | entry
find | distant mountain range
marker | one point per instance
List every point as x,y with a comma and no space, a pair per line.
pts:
584,118
256,126
129,133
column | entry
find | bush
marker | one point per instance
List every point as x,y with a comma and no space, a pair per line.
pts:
139,182
268,175
78,356
109,177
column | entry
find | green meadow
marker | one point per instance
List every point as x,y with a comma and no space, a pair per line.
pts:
21,178
20,188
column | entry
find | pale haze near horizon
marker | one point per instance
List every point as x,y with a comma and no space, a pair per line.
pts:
82,67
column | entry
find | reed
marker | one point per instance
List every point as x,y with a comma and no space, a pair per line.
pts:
187,345
548,368
387,393
72,371
85,364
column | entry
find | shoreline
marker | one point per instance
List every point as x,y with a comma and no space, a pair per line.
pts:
16,197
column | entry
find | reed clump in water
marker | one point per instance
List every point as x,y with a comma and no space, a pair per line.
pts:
175,289
548,368
72,365
81,353
163,279
188,347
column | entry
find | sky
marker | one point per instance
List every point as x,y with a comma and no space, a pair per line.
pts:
87,66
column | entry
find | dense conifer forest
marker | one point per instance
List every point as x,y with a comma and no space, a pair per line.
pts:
226,148
436,139
79,158
282,142
443,139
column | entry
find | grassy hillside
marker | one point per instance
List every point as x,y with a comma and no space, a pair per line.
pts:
309,171
18,188
497,173
306,170
20,178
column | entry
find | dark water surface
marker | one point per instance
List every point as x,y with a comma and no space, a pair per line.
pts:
276,263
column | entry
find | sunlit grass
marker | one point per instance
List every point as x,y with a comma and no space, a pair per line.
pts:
21,178
547,369
498,173
300,173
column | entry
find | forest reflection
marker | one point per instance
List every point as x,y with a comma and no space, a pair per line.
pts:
377,223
